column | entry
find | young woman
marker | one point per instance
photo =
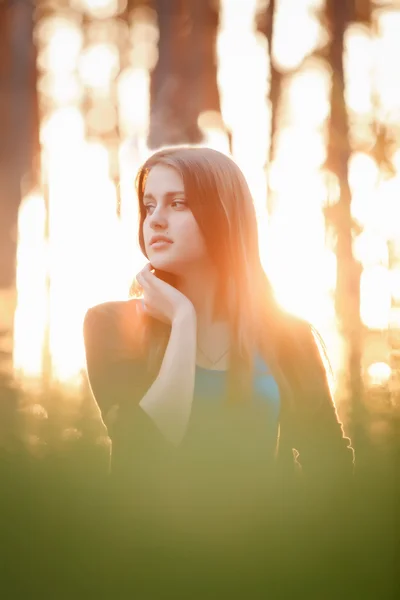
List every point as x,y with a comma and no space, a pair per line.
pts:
213,395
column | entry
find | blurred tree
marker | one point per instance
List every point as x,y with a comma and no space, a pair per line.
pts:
18,146
265,24
362,11
275,87
184,81
339,16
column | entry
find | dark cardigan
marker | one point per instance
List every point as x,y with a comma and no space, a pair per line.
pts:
195,520
312,446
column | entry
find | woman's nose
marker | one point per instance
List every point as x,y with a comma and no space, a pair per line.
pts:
158,220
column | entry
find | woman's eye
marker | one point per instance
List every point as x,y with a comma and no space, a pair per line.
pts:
148,207
178,204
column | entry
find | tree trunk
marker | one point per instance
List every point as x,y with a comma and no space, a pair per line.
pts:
347,298
274,93
184,80
18,142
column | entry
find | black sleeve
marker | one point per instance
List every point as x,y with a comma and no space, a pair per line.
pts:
325,452
114,380
118,379
323,447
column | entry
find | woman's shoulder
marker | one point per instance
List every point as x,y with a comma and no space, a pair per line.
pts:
302,330
310,340
118,322
296,322
302,353
116,309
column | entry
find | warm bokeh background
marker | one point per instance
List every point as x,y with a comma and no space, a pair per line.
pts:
304,94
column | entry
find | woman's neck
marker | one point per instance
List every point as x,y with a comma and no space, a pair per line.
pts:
200,287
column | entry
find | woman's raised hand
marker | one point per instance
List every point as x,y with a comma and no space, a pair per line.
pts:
160,299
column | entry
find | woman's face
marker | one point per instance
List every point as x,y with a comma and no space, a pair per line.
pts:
168,216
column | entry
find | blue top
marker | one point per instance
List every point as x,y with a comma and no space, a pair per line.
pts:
208,397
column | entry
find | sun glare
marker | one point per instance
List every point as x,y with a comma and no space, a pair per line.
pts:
77,240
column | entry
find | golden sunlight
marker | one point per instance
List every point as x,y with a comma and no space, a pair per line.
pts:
32,278
76,249
81,199
379,373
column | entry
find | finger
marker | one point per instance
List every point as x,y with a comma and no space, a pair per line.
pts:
144,272
144,287
147,268
148,277
143,275
147,308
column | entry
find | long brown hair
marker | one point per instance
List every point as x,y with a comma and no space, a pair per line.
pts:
219,197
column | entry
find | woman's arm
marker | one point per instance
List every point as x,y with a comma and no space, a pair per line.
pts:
118,380
116,376
168,402
325,451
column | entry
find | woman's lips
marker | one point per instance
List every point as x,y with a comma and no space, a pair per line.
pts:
160,245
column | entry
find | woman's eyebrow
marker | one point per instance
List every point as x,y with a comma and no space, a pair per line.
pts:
166,195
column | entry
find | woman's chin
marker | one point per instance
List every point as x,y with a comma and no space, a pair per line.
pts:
160,264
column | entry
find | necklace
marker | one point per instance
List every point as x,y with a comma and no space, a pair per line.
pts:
214,362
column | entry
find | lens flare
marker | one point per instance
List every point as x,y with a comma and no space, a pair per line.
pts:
77,238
